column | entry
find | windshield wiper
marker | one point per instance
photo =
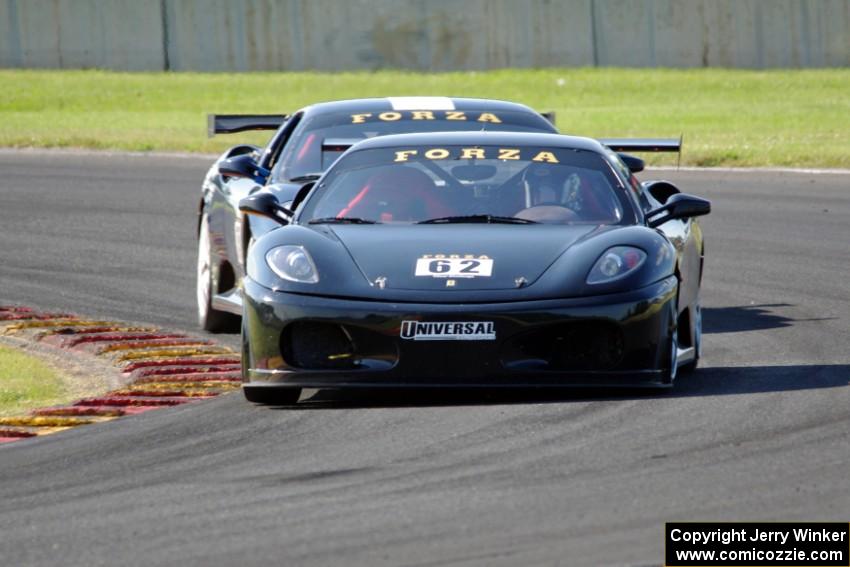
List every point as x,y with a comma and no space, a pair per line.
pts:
341,220
490,219
306,177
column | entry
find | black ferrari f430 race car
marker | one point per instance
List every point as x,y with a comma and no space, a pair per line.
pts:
474,259
303,145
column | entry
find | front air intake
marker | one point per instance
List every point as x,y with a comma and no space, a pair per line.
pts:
315,345
565,347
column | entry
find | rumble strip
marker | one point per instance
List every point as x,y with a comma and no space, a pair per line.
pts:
159,368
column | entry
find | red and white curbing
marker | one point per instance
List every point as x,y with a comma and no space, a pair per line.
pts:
162,368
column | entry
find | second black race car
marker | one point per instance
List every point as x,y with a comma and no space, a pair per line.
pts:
473,259
303,145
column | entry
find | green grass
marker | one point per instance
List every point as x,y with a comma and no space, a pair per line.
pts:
27,382
728,117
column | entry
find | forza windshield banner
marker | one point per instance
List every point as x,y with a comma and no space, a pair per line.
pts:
394,116
477,152
760,544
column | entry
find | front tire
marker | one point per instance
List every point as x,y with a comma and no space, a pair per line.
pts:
209,319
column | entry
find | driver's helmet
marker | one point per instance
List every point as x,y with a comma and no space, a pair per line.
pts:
547,185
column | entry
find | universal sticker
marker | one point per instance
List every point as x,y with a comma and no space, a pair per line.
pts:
448,331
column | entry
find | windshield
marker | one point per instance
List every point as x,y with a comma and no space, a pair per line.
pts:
454,184
305,154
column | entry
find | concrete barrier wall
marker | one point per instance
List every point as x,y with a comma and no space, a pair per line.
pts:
246,35
72,34
717,33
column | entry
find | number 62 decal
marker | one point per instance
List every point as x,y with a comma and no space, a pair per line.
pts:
441,266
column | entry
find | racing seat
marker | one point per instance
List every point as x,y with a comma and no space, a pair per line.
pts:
397,193
550,195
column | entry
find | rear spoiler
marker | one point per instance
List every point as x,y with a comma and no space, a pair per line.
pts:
616,144
232,123
643,144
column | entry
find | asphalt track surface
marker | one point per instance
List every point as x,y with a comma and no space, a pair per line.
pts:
760,432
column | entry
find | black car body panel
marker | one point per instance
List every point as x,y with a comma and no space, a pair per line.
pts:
528,349
548,273
370,319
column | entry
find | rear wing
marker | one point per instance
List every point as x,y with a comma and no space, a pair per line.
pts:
616,144
233,123
643,144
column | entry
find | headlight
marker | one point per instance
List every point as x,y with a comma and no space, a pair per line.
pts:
292,263
615,263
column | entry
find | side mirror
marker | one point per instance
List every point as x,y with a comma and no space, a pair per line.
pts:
243,166
678,206
635,164
265,204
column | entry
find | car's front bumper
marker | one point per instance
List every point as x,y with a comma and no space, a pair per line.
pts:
537,343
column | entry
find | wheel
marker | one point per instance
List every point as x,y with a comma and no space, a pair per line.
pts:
697,318
669,374
272,396
209,319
